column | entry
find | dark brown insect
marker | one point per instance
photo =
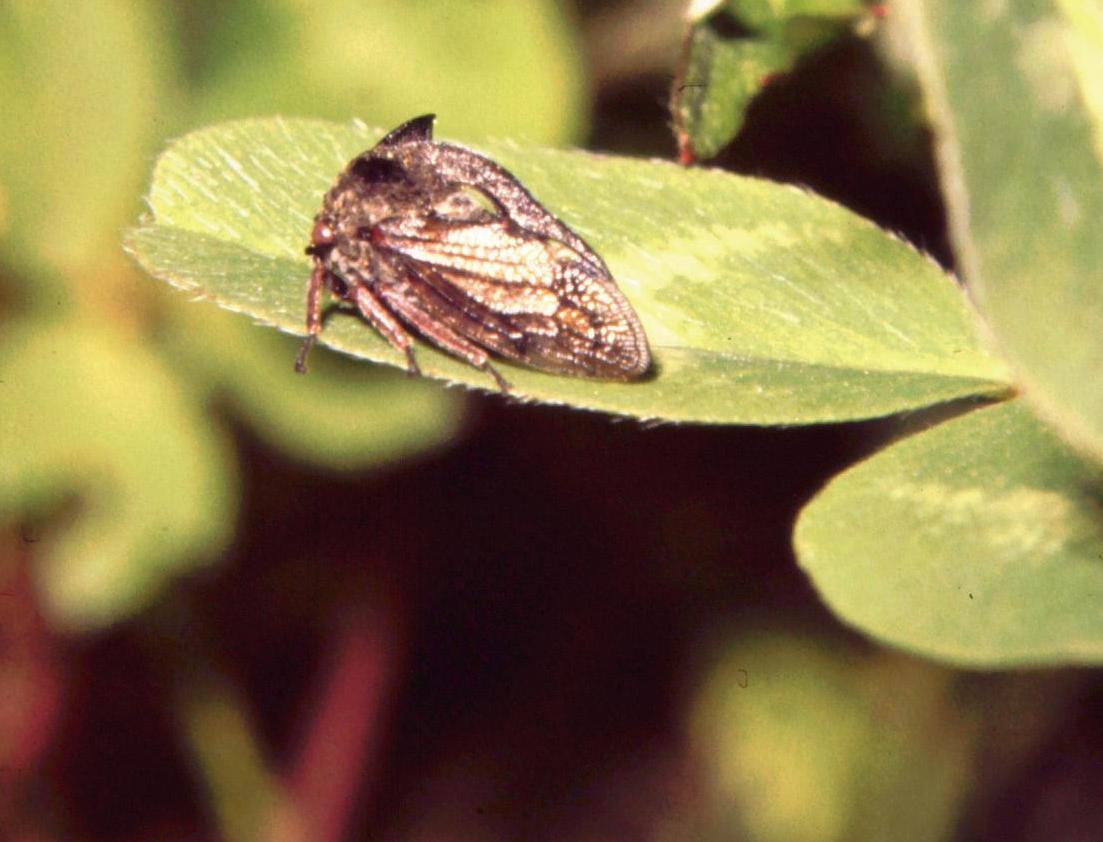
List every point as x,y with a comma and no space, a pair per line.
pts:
437,238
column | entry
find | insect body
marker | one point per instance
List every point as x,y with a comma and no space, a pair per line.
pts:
429,236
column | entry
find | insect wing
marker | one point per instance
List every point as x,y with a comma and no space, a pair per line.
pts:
522,295
462,166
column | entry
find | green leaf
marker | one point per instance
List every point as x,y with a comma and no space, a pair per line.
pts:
513,68
722,71
714,86
90,415
801,743
763,303
1016,93
77,83
979,541
344,416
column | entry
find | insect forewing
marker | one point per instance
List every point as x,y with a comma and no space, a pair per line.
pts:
527,297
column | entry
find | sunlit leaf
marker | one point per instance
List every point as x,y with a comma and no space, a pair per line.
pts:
763,303
1016,93
979,541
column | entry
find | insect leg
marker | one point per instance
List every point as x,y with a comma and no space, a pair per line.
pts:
313,314
384,321
442,335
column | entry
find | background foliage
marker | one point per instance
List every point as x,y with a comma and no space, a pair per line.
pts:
359,605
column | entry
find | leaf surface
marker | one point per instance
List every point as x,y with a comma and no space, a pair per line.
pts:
979,541
762,303
1016,93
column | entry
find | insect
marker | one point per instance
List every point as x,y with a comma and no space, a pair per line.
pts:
436,238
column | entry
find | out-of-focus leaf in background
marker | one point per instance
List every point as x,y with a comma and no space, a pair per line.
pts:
802,743
79,91
1015,91
763,304
498,67
90,415
344,416
732,50
979,541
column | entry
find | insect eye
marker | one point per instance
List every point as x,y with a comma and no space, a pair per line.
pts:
322,238
375,170
322,235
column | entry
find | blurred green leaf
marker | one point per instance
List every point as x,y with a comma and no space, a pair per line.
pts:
763,304
1016,93
801,744
90,415
501,66
343,415
78,85
979,541
731,52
